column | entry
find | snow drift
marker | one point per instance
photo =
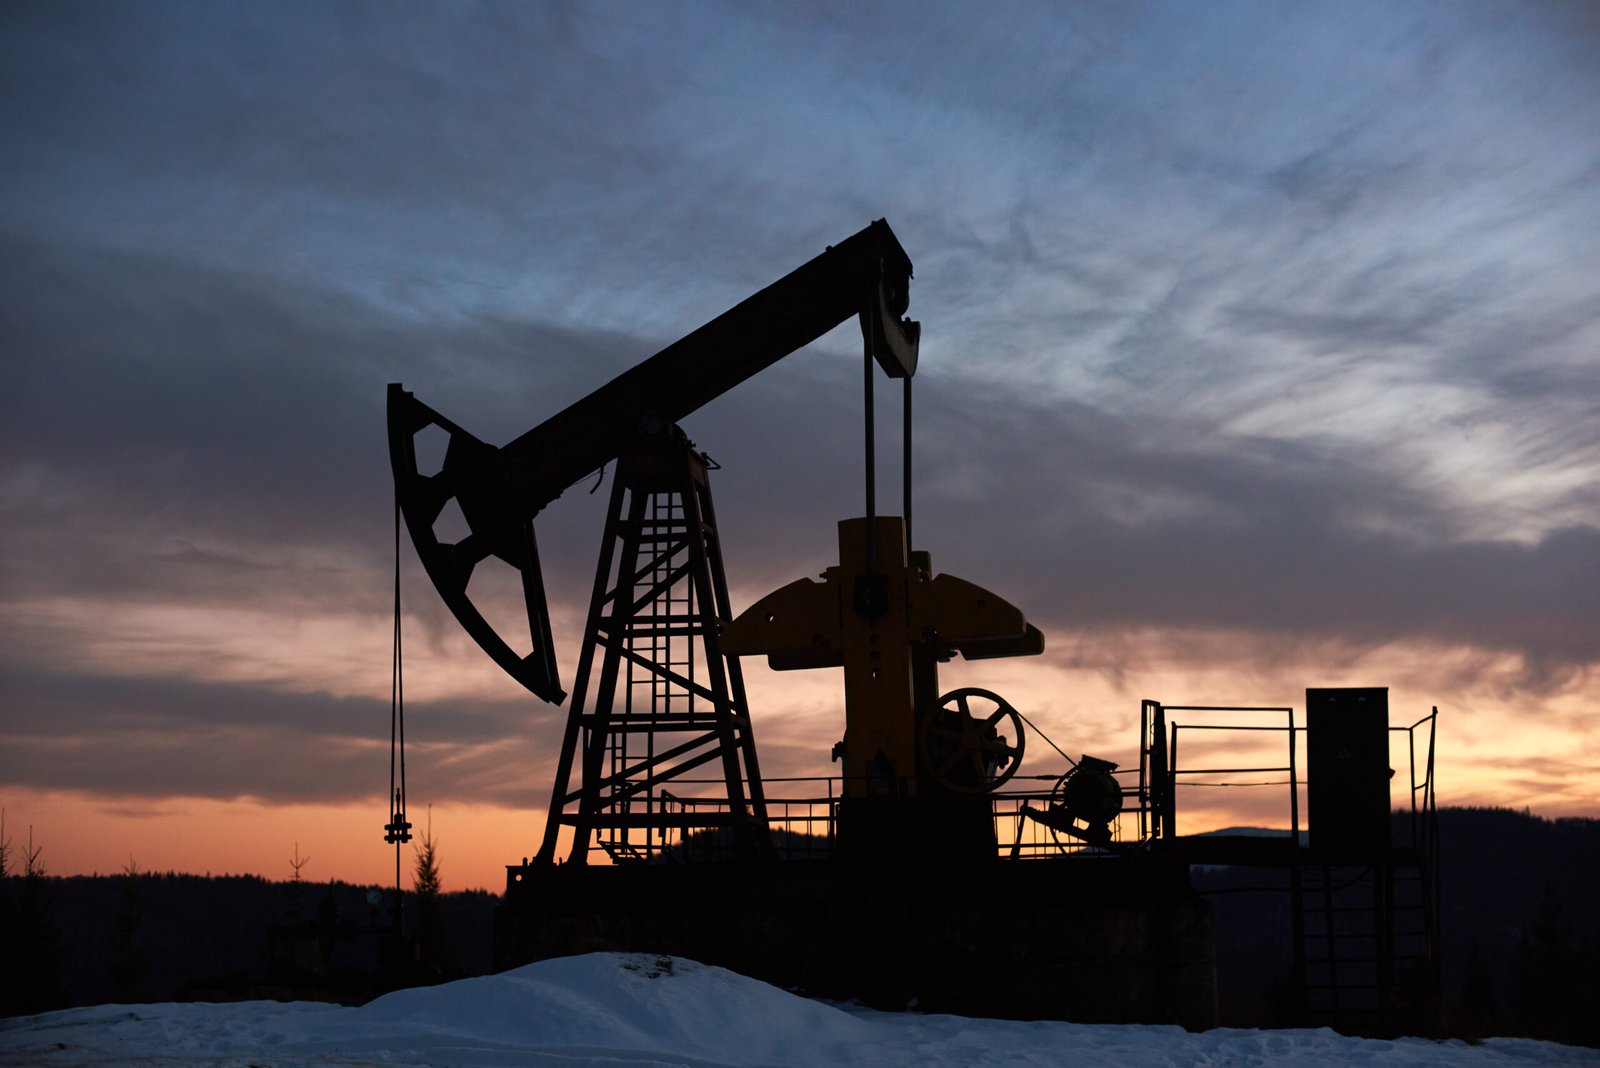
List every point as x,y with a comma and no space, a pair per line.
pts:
635,1009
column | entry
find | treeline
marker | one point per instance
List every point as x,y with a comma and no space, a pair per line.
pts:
139,937
1520,930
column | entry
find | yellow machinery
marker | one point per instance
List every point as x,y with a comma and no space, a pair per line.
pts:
915,764
888,620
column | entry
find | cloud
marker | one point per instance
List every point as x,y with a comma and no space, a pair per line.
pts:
199,433
233,425
1091,520
169,737
1254,330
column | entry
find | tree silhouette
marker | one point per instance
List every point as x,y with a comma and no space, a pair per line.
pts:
426,885
8,926
34,977
1556,977
296,863
129,961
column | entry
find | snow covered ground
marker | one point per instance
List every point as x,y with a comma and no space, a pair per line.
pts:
624,1009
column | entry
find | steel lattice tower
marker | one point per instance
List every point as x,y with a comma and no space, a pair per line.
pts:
655,700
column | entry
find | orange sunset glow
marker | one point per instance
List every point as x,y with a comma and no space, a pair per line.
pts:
1489,752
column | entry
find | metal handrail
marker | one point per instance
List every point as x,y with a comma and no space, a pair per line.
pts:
1291,768
808,811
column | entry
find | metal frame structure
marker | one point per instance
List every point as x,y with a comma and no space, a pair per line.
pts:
660,600
654,698
1364,929
1365,925
1367,928
658,760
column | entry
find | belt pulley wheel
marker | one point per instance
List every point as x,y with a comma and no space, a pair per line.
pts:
961,743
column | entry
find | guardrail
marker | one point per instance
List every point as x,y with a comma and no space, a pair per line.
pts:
803,812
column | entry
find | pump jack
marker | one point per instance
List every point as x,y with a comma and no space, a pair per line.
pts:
910,897
660,601
906,898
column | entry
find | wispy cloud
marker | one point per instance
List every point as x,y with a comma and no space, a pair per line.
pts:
1251,335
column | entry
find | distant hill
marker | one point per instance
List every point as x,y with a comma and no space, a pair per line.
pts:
1251,832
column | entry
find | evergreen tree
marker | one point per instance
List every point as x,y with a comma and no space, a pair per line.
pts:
1479,1008
129,961
34,979
426,885
1548,1005
296,863
8,924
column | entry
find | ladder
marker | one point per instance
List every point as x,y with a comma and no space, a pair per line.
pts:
1367,944
655,700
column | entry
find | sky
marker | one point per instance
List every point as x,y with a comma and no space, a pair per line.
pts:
1261,351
